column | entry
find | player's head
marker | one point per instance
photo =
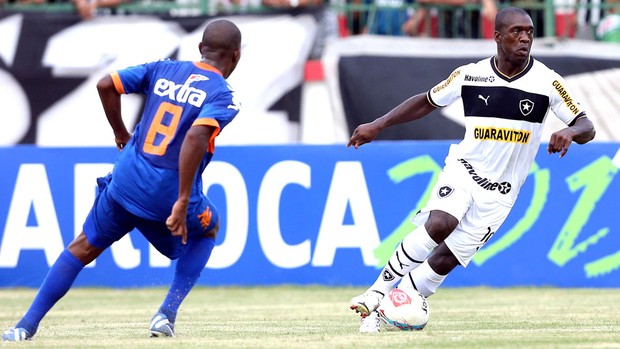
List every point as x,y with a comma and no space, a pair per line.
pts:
221,45
514,33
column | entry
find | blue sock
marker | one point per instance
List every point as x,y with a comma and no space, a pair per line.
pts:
55,285
189,266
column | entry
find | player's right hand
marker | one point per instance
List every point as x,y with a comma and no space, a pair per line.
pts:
122,140
177,221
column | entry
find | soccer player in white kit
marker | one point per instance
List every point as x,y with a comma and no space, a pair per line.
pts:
506,99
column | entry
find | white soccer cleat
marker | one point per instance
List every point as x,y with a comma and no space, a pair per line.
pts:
367,302
370,323
16,335
161,327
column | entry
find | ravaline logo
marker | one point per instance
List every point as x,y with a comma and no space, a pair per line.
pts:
479,78
485,183
399,297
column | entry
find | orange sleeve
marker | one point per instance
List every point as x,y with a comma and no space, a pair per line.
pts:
213,123
118,84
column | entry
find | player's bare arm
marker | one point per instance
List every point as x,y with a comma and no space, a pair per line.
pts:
111,101
411,109
581,132
192,151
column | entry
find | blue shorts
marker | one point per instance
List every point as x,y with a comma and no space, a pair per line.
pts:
108,222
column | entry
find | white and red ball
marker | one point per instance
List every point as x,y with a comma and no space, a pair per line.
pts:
404,309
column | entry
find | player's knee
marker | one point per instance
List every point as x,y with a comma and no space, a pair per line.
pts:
439,225
82,249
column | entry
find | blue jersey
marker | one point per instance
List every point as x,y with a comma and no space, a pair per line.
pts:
179,95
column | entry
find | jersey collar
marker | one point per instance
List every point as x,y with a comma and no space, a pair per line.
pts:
206,66
530,63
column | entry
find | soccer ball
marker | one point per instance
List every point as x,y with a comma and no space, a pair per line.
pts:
404,309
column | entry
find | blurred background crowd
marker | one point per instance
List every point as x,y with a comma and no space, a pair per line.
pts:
563,19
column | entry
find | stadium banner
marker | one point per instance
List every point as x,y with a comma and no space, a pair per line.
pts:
50,65
319,214
361,92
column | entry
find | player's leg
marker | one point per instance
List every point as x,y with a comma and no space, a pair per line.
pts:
202,225
59,279
83,249
188,268
431,274
476,228
409,254
440,224
434,223
414,249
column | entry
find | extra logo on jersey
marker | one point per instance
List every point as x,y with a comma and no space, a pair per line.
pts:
445,191
526,106
182,92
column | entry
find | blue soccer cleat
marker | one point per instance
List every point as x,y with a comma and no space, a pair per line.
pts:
161,327
16,335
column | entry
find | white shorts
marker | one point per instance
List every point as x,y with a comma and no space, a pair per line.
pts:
479,213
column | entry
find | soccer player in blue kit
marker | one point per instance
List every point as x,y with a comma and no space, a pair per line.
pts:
156,184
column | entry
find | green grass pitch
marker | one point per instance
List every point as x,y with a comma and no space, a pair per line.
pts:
318,317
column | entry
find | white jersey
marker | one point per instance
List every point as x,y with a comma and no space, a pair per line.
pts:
504,119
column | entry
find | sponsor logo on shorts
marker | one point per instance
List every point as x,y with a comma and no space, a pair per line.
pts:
485,183
502,135
479,78
205,218
445,191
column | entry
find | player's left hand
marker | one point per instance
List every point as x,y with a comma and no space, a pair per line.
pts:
560,141
363,134
177,221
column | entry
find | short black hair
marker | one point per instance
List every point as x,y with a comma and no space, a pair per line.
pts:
504,15
221,34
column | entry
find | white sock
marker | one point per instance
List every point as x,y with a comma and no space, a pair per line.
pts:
409,254
424,279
